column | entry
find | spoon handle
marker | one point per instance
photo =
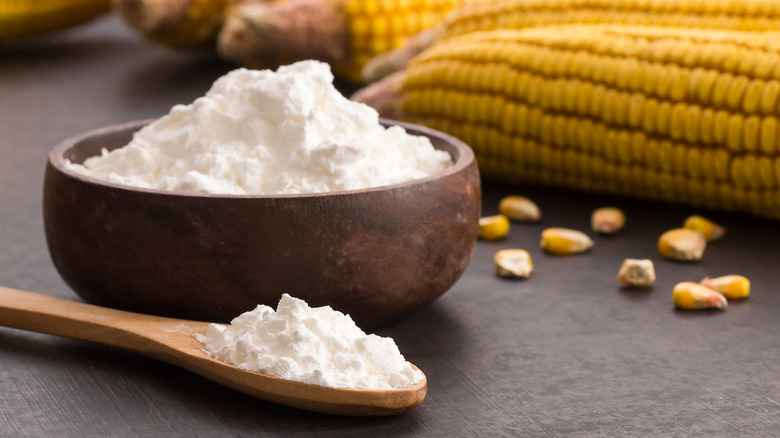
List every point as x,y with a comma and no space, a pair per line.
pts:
55,316
171,340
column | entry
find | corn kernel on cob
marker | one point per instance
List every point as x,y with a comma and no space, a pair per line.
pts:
660,113
750,15
692,296
565,241
733,287
513,263
27,18
177,23
344,33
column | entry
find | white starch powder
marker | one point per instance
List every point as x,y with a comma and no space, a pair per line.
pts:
318,345
265,132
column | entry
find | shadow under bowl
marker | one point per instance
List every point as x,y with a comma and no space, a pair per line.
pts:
376,254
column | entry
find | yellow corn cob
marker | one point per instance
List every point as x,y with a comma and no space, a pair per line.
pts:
20,18
344,33
679,115
177,23
753,15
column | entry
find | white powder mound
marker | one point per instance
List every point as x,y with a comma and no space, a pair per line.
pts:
318,345
265,132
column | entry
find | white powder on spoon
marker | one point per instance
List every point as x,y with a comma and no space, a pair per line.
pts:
265,132
318,345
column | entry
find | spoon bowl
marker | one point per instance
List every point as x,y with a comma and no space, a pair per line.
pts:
171,340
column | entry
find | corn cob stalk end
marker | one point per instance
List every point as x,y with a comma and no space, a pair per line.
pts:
267,34
383,96
178,23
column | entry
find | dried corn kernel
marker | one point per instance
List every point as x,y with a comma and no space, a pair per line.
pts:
565,241
493,227
513,263
607,220
732,287
520,208
689,295
682,244
710,230
637,273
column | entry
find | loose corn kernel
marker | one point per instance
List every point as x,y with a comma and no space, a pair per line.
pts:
565,241
513,263
607,220
637,273
682,244
493,227
520,208
689,295
732,287
710,230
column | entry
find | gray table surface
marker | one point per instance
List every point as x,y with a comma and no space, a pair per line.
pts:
566,353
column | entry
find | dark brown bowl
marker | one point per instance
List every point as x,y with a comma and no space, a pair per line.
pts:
376,254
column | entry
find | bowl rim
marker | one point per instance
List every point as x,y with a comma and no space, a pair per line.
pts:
465,158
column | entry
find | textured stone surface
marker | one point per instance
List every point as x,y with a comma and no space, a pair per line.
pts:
566,352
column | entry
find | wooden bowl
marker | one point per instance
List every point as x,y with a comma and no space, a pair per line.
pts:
376,254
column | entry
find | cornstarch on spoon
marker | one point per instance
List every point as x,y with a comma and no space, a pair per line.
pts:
265,132
320,346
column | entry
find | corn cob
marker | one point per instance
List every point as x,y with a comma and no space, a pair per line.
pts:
26,18
344,33
670,114
749,15
176,23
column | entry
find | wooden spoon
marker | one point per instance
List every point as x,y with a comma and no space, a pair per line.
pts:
172,341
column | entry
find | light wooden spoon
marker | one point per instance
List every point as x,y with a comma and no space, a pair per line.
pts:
172,341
